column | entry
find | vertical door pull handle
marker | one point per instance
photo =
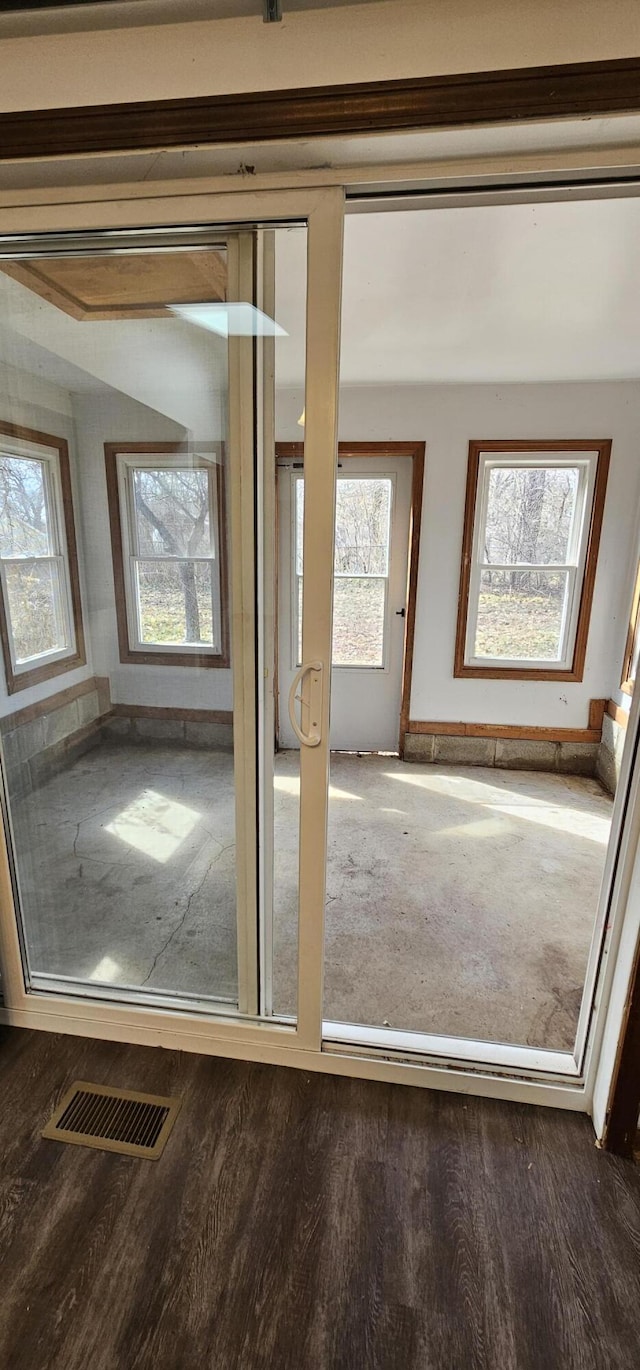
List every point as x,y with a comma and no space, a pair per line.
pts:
310,701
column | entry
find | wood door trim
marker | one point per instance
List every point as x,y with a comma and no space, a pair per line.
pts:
451,100
294,451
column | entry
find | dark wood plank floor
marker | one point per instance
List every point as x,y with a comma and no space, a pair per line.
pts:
301,1222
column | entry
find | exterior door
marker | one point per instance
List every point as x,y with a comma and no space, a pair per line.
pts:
373,508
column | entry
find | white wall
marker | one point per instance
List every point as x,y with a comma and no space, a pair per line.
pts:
35,403
115,418
374,42
447,417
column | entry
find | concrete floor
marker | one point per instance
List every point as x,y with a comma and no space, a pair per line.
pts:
127,870
459,900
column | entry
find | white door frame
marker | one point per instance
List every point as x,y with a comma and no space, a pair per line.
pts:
193,203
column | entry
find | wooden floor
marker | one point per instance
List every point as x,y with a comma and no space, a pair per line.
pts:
301,1222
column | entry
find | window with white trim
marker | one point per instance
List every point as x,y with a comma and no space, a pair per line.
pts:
169,556
531,539
40,619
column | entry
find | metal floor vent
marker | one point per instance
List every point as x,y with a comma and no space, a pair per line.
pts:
114,1120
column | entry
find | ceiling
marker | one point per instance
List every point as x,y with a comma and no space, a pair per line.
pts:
57,17
493,294
546,292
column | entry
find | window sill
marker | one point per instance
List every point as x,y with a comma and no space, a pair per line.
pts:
516,673
209,660
23,680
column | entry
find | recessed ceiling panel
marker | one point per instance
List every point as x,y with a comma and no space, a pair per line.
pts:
137,285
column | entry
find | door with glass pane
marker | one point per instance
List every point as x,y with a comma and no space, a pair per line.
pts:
137,569
373,509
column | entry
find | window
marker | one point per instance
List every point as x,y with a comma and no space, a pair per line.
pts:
166,508
632,648
40,612
361,570
532,528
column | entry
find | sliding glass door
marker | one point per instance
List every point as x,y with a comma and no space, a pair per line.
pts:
169,875
139,403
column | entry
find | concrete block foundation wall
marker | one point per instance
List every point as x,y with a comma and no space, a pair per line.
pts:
609,759
188,732
40,741
569,758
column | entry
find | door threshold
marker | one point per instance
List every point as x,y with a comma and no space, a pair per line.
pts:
450,1052
362,751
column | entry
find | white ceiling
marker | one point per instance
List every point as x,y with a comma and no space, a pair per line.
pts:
523,293
546,292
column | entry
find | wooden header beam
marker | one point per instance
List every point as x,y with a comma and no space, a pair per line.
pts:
482,97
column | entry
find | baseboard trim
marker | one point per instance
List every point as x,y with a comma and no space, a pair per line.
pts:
173,715
515,733
57,700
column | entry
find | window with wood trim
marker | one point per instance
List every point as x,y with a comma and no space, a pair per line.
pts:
166,505
632,646
40,612
531,533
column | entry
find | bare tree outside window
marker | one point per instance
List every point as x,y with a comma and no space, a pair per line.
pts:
31,566
361,568
528,528
175,551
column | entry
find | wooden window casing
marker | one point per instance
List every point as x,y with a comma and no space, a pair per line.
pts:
43,669
574,671
172,656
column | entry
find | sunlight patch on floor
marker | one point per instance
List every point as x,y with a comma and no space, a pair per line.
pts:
511,803
154,825
106,970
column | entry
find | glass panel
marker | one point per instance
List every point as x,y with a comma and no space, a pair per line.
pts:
521,615
358,621
530,514
34,594
172,513
299,517
286,550
24,523
363,521
463,880
175,602
124,822
363,531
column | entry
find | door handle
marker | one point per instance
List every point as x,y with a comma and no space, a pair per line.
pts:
400,613
312,703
